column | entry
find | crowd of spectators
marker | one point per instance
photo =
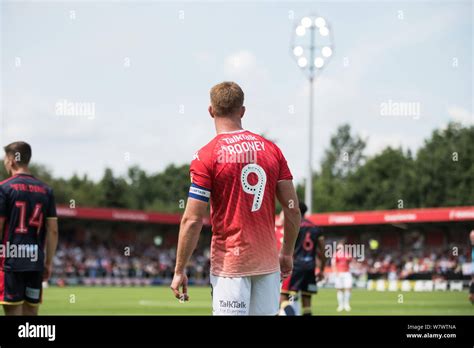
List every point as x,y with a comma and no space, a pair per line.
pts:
112,260
434,263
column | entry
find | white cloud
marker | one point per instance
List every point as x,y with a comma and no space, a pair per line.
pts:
461,115
241,62
243,66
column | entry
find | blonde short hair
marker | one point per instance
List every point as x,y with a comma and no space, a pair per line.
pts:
226,98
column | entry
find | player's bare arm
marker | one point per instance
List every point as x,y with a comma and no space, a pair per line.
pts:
52,232
322,257
189,231
288,199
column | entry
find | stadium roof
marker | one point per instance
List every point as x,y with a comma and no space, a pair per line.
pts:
115,214
379,217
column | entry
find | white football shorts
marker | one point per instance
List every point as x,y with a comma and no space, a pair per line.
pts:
343,280
252,295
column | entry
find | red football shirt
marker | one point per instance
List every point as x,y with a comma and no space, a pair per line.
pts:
238,172
342,261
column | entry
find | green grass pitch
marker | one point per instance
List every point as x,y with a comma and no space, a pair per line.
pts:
159,301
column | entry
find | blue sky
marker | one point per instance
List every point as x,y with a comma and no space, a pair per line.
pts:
154,111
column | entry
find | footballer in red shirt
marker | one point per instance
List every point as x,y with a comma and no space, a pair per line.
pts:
240,173
343,278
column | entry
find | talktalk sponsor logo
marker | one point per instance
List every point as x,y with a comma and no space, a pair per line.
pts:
232,304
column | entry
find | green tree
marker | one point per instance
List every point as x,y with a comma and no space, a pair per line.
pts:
170,188
343,157
114,191
445,167
83,191
386,181
441,174
141,188
345,153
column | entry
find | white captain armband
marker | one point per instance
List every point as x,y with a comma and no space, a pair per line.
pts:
199,193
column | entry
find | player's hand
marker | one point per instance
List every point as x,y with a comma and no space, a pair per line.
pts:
180,280
48,269
286,265
320,276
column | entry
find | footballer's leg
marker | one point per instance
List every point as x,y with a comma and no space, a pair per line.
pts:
306,301
347,298
285,304
265,294
340,300
288,303
13,309
347,291
12,292
308,288
292,287
339,291
289,300
30,309
471,291
230,296
33,292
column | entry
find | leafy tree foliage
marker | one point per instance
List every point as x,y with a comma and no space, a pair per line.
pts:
441,174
